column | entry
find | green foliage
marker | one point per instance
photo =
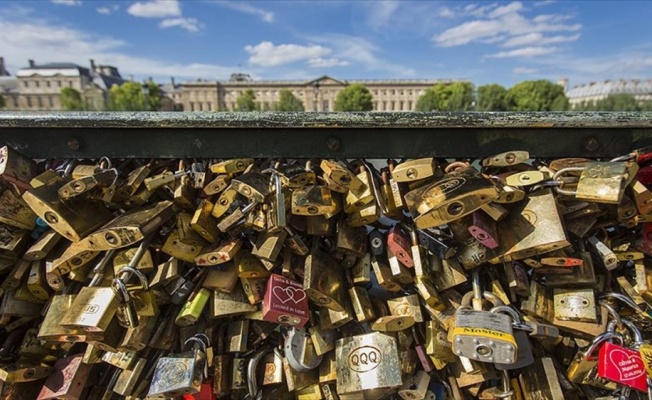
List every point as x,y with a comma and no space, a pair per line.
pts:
541,95
288,102
2,101
491,98
246,101
154,96
71,99
646,106
456,96
355,97
615,102
130,97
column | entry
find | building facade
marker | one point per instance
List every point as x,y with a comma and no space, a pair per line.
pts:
641,89
316,95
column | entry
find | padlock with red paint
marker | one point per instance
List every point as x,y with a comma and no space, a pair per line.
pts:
644,175
622,365
206,392
644,241
399,244
68,379
483,229
285,302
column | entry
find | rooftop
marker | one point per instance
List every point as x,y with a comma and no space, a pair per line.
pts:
605,88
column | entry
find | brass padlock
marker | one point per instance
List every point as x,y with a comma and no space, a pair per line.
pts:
323,281
180,374
16,168
14,210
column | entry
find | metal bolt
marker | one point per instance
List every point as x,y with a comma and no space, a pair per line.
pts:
333,143
73,144
591,144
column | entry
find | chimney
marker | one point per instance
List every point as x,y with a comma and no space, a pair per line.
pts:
150,80
563,82
172,81
31,63
93,65
131,77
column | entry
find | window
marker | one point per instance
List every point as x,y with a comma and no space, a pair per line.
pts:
325,105
384,92
400,106
192,106
392,92
410,105
400,92
59,83
47,83
26,84
36,83
384,106
375,92
69,83
410,92
39,100
375,106
51,100
29,102
392,106
201,106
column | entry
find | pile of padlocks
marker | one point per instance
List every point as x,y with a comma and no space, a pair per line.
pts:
325,279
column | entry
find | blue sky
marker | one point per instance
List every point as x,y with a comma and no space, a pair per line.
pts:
485,41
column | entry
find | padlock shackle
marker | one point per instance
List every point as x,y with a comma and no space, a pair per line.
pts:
601,338
637,336
561,172
616,320
489,296
252,384
516,318
129,272
198,340
619,296
98,270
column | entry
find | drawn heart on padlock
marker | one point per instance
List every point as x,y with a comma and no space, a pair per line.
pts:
289,293
629,366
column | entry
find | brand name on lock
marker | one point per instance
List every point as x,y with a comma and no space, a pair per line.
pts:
365,359
445,187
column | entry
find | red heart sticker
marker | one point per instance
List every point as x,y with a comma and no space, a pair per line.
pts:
622,365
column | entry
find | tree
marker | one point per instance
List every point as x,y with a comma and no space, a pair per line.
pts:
491,98
456,96
288,102
2,101
618,102
154,96
355,97
246,101
71,99
126,97
539,95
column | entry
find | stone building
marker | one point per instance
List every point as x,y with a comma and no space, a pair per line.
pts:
317,95
39,85
8,87
641,89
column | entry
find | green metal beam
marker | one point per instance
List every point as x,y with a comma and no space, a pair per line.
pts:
340,135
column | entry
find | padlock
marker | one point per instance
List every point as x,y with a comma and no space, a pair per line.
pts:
180,373
286,302
16,169
624,365
14,210
483,335
323,281
339,174
413,170
367,361
600,182
299,350
68,379
585,361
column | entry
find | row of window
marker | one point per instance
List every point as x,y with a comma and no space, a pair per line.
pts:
392,106
401,92
47,83
38,101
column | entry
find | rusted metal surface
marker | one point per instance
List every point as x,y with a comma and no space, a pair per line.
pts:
341,135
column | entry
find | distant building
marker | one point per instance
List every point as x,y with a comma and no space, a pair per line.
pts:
39,85
641,89
317,95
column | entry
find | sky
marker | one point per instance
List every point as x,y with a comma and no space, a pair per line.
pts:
484,41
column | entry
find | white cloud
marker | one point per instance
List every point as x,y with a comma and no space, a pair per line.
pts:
47,42
358,50
189,24
67,2
543,3
266,54
536,38
524,71
523,52
264,15
507,25
108,10
155,9
447,12
327,62
380,13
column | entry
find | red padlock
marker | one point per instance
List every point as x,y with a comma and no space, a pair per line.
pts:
399,244
622,365
644,241
205,393
644,175
285,302
484,229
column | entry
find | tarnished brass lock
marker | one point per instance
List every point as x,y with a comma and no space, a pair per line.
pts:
341,175
323,282
68,379
457,194
92,309
601,182
367,362
180,374
252,185
14,210
72,219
